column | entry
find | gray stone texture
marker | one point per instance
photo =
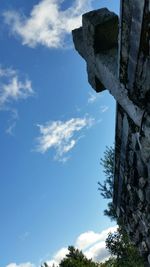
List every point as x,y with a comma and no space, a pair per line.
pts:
121,64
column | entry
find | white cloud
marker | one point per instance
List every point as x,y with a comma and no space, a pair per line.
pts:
10,129
12,88
90,237
86,239
98,252
60,135
103,109
47,23
91,243
58,257
92,98
27,264
14,116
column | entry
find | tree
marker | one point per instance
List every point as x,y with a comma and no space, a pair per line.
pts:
123,251
120,246
106,189
111,262
107,162
45,265
75,258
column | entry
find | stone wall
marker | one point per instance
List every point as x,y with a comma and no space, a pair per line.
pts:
132,184
132,155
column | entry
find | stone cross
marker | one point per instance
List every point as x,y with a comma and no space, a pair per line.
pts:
117,53
97,42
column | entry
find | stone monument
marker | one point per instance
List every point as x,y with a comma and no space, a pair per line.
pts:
117,53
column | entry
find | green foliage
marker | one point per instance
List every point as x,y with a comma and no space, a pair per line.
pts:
123,251
121,247
45,265
109,263
110,211
106,189
76,258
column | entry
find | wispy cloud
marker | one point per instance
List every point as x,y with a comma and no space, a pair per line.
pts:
27,264
61,135
48,24
103,108
24,236
92,98
11,127
14,117
12,88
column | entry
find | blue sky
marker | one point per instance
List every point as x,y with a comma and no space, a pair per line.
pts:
54,130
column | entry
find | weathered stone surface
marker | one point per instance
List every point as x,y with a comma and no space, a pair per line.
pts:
136,236
131,157
134,68
143,247
103,64
143,227
148,258
135,217
96,41
142,169
140,195
128,187
148,242
102,25
135,35
147,191
99,33
140,206
142,182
